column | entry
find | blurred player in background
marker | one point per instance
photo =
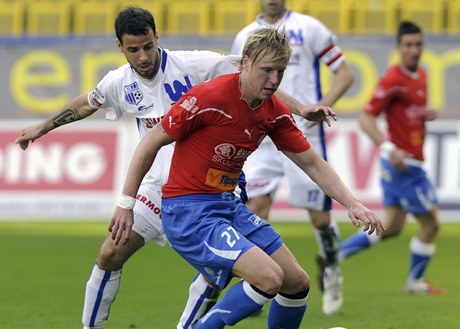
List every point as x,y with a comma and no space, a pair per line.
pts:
216,126
401,95
311,43
153,79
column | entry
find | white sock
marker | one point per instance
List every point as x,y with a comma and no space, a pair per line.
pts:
101,290
201,298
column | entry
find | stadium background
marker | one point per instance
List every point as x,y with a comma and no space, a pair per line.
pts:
52,51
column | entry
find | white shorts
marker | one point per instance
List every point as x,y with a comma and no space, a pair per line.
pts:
266,167
147,215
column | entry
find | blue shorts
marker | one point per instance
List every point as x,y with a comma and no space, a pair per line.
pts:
410,188
211,231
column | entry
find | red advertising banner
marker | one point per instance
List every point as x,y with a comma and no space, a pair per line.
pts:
77,171
72,172
62,160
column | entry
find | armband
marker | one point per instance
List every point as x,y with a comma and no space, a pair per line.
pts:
126,202
387,147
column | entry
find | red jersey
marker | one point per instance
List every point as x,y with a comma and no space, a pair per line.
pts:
401,95
216,130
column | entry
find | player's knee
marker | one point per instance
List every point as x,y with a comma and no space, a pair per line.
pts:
302,281
271,280
431,227
391,232
320,219
111,257
436,227
297,281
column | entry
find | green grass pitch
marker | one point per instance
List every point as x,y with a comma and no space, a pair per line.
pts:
45,265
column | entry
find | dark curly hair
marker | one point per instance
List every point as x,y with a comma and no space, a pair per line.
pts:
134,21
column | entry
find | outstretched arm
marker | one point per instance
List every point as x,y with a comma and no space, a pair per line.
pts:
310,112
328,180
143,157
77,109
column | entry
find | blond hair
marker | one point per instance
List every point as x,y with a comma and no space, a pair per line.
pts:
267,41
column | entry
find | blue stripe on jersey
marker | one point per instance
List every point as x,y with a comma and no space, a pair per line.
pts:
164,57
99,297
316,69
319,95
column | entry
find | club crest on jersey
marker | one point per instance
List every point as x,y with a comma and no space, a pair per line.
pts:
133,95
188,104
225,150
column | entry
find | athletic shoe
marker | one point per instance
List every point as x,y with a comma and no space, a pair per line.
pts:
333,294
321,264
423,287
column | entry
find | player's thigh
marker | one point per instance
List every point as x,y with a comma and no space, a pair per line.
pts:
421,195
199,227
409,189
147,215
429,225
256,230
394,220
249,266
295,277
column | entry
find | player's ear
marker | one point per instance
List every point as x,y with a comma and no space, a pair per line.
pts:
245,63
120,46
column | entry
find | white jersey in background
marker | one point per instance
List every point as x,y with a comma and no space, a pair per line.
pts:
122,90
311,43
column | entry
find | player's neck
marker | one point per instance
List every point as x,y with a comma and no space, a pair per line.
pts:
272,18
410,68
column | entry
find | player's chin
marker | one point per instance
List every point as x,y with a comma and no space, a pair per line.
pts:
267,93
145,71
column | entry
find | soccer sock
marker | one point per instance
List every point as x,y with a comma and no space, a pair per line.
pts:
356,243
421,253
287,312
101,290
328,241
202,296
240,301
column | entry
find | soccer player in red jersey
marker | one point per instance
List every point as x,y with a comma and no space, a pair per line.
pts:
401,95
216,126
